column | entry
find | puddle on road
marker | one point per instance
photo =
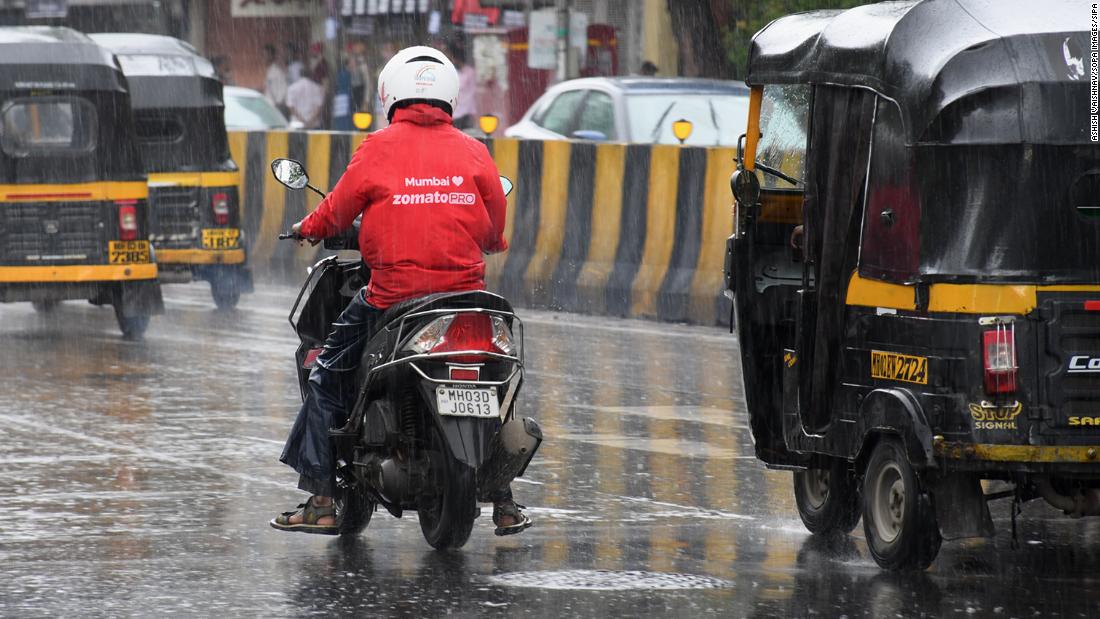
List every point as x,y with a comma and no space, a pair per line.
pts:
605,580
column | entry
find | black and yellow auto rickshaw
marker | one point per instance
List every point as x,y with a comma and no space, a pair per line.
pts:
916,266
179,114
73,220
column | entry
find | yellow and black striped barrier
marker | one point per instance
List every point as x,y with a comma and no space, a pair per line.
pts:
626,230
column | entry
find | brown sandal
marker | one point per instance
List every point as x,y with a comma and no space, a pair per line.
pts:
509,509
310,515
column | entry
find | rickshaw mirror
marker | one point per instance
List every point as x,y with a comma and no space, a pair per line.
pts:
745,187
506,185
290,173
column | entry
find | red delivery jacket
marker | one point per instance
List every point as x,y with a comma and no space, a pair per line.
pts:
431,202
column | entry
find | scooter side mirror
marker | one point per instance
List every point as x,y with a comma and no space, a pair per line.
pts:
506,185
290,173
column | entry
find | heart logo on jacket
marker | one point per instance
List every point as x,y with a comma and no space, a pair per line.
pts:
457,180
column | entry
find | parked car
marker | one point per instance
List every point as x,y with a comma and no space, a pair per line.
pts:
249,110
638,109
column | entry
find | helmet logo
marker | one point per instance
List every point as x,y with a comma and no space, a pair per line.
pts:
425,75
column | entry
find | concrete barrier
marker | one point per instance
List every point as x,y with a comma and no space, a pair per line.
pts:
625,230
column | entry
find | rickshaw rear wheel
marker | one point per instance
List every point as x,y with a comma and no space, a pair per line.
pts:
827,496
226,296
132,327
899,519
45,307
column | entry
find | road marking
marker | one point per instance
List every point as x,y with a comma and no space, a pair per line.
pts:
147,454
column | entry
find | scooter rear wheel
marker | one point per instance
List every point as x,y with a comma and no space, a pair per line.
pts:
447,513
353,510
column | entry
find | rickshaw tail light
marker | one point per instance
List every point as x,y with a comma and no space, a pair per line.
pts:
999,358
127,220
219,203
1092,306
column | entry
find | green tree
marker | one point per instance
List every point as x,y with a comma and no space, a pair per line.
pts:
713,36
749,16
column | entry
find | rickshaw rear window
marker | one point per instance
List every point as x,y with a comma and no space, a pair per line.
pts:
152,127
44,125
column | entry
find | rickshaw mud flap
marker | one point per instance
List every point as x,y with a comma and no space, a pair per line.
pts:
961,507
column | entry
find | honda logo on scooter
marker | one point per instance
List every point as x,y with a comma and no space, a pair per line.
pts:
1081,364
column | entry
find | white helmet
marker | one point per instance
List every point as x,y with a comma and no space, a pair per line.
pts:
418,73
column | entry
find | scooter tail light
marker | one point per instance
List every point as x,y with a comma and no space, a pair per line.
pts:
430,336
502,336
469,331
219,203
127,220
999,360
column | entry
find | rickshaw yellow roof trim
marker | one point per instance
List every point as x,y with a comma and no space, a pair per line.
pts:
106,190
78,273
1017,299
200,256
196,179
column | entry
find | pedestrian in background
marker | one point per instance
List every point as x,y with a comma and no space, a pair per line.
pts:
294,65
275,82
465,113
305,99
320,73
222,70
342,97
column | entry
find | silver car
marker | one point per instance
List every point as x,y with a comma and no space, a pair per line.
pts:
249,110
639,110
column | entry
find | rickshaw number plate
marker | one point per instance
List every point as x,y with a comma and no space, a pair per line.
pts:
220,238
126,252
895,366
467,402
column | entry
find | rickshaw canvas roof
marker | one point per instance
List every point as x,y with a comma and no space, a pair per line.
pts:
164,72
55,57
927,55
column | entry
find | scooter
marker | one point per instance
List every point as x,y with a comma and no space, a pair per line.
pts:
434,426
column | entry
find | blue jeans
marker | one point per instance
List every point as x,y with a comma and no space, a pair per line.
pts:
331,391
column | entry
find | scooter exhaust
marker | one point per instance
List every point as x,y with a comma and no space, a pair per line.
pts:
510,451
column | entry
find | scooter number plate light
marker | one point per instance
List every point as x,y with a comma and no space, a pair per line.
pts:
467,402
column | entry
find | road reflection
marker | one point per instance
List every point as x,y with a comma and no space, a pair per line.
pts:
141,477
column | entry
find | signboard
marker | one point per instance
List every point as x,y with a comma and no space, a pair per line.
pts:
273,8
542,40
513,19
46,9
475,21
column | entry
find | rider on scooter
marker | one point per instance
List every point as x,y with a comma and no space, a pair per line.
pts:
431,204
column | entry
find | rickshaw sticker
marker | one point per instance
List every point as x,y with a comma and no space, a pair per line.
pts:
1078,421
988,416
126,252
895,366
221,238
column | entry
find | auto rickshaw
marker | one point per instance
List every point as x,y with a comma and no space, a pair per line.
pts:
193,181
73,194
915,266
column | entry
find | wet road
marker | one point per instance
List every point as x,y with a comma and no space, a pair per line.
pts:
140,478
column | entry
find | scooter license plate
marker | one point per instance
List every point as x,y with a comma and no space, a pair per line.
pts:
467,402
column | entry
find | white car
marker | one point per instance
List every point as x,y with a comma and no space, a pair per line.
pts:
638,110
249,110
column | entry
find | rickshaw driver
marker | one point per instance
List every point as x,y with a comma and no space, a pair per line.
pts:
418,101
